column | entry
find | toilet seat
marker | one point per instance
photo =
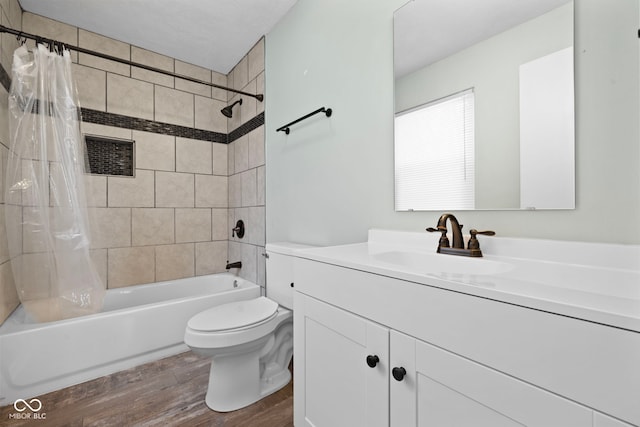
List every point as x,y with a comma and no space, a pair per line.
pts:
234,316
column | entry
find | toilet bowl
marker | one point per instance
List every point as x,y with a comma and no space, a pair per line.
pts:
250,342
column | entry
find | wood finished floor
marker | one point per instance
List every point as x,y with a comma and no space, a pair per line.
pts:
167,392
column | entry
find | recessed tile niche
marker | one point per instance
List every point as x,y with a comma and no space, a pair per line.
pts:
109,156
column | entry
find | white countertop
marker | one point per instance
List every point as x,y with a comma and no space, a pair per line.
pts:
590,281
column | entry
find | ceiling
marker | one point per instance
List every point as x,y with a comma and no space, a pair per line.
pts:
426,31
214,34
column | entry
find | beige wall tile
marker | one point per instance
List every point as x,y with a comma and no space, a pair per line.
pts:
174,106
155,60
8,44
48,28
4,116
221,80
131,192
249,104
256,232
35,237
236,120
219,224
99,259
131,266
241,74
155,151
92,87
8,295
175,190
4,244
231,158
220,161
13,11
250,253
4,153
260,89
241,154
261,267
208,115
235,191
13,232
110,227
193,156
193,225
195,72
175,261
249,187
256,147
96,190
260,187
152,226
39,172
129,97
211,257
211,191
106,45
106,131
256,60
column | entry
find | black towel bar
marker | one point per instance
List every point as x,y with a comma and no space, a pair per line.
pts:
286,129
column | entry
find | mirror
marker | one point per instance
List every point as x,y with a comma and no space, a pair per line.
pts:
484,105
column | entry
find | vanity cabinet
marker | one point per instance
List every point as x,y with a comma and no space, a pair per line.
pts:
442,389
466,361
359,373
345,360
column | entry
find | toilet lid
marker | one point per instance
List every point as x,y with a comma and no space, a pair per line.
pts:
233,315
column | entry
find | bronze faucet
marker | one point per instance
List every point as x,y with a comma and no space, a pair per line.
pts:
473,247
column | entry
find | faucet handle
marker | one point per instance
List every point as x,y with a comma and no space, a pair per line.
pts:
473,241
444,241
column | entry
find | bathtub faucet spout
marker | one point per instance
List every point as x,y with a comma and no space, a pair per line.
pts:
237,264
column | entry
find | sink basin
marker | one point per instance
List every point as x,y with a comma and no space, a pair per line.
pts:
434,263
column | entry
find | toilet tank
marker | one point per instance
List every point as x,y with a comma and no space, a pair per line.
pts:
279,271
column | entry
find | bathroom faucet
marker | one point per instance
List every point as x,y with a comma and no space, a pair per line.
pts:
237,264
473,247
456,230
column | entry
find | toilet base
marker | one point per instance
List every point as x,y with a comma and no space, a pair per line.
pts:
239,378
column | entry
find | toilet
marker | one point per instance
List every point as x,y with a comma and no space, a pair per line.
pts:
250,342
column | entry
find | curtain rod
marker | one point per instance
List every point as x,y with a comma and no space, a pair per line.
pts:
51,42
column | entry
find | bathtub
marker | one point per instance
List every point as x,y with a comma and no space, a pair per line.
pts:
138,324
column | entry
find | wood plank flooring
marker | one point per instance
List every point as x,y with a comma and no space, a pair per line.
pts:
167,392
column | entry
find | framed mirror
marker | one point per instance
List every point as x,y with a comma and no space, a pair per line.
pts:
484,105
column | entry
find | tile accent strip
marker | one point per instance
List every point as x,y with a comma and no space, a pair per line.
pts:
127,122
5,78
245,128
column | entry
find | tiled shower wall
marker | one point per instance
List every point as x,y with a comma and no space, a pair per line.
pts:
172,220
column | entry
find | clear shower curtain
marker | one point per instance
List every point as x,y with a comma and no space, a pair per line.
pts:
46,213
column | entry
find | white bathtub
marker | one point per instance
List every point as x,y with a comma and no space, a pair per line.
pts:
138,324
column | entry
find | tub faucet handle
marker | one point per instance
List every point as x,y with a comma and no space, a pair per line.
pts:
238,229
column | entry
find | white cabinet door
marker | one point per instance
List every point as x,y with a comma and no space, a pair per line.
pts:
442,389
334,385
601,420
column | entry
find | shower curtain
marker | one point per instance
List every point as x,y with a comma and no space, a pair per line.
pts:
45,205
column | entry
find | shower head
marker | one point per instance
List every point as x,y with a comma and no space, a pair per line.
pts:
227,110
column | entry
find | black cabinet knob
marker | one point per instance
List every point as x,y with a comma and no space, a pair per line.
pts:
398,373
372,360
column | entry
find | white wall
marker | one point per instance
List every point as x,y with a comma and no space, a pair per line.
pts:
331,180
